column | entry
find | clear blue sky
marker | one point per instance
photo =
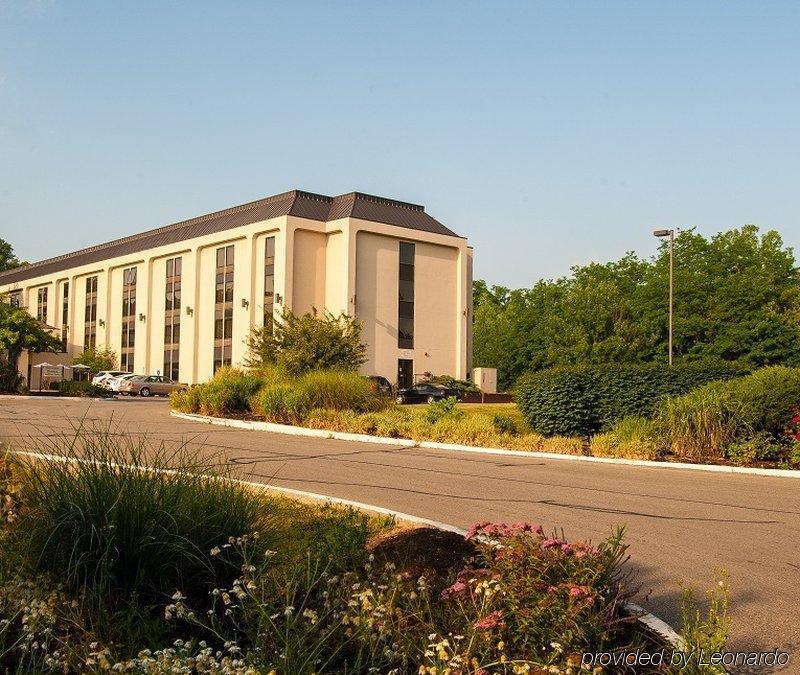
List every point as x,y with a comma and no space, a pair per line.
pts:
550,134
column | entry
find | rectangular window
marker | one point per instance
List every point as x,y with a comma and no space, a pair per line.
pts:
90,315
269,280
405,300
172,319
65,315
223,308
41,304
15,298
128,319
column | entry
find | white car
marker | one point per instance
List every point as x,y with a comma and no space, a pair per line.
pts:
113,383
103,376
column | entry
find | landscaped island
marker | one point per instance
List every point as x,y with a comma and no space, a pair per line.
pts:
126,557
694,414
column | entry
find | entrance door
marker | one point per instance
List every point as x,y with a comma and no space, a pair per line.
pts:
405,373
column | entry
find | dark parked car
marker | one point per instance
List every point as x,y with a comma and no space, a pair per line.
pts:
380,385
426,393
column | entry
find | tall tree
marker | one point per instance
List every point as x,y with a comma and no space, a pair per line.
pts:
8,260
737,298
19,331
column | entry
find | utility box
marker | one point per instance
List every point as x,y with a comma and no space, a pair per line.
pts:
485,379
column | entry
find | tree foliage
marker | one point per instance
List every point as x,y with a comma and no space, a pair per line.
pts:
97,358
737,298
298,344
19,331
8,261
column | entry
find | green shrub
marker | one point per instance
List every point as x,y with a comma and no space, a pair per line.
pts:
298,344
10,379
705,422
505,424
123,517
227,393
631,437
760,447
464,386
444,408
82,388
582,400
97,358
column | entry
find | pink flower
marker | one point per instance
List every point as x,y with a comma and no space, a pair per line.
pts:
457,588
566,548
489,621
578,592
551,543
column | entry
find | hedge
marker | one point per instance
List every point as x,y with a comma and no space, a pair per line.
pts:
582,400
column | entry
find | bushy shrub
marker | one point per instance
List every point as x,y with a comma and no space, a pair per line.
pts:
443,408
760,447
631,437
582,400
227,393
298,344
123,516
82,388
705,422
97,358
10,379
463,386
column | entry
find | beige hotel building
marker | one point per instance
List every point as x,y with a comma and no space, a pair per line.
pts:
180,299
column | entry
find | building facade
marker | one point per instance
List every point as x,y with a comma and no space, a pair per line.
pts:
181,299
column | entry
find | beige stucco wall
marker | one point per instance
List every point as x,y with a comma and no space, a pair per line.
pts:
346,265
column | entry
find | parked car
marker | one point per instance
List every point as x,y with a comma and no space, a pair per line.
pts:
100,378
114,383
380,385
425,392
150,385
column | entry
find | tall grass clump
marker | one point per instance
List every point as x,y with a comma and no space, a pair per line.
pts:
631,437
291,400
706,421
121,516
227,393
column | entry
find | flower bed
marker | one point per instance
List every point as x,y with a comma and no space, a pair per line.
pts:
272,585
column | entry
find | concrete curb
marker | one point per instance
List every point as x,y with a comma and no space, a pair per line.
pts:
453,447
651,622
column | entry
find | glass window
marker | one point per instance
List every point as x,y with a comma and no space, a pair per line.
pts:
405,299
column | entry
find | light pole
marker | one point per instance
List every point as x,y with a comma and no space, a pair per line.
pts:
671,235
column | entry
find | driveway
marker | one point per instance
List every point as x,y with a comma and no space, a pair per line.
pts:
681,525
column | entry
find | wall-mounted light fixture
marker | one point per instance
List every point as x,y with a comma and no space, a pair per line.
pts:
102,322
278,298
189,311
142,317
245,303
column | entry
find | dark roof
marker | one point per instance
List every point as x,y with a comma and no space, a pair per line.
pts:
293,203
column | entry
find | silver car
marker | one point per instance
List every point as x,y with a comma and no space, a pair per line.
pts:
150,385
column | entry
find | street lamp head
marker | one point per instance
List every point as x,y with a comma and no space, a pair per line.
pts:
662,233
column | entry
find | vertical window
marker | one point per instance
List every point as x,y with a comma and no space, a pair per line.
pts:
405,301
65,315
269,280
15,298
41,304
172,319
223,308
90,315
128,319
405,373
